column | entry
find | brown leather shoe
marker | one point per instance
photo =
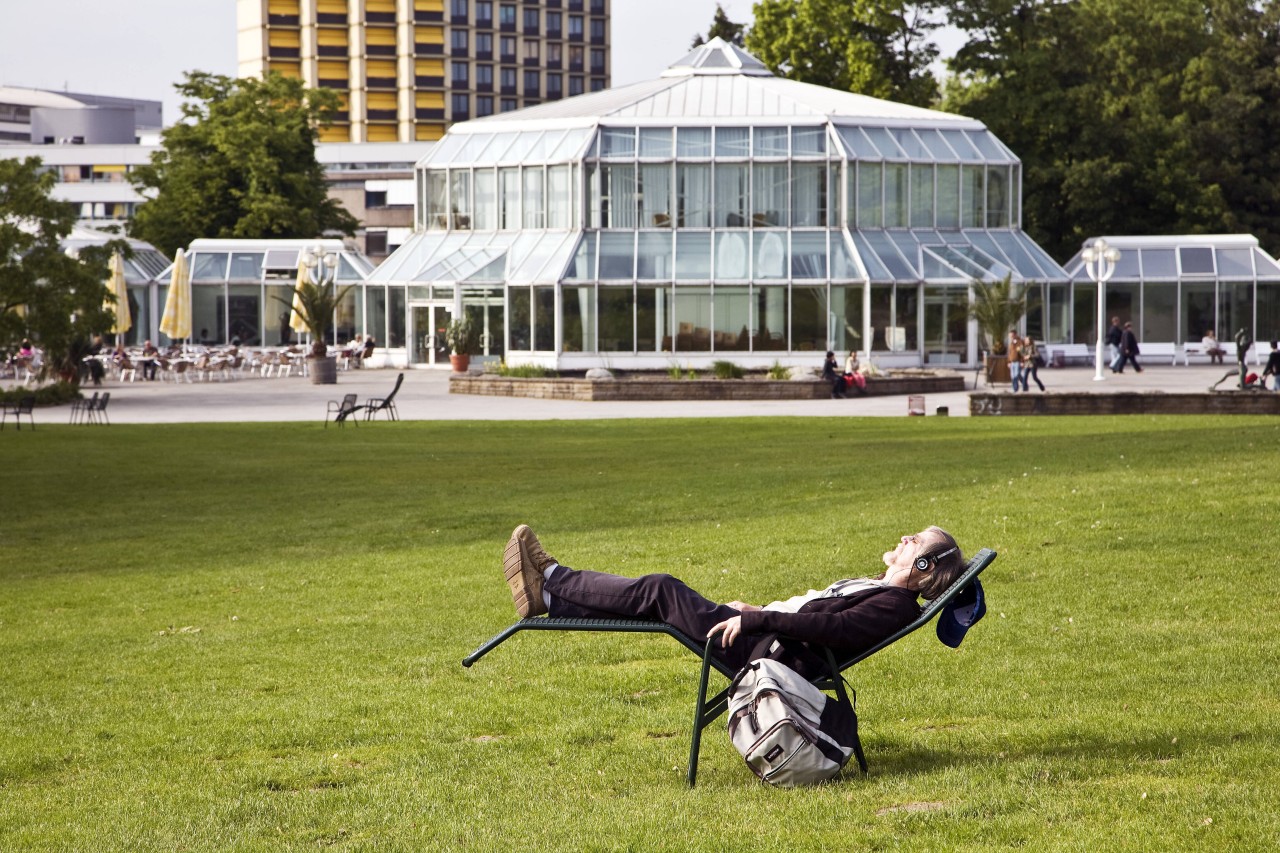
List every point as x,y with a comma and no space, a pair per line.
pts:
523,562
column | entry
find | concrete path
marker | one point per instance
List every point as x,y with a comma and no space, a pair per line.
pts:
425,396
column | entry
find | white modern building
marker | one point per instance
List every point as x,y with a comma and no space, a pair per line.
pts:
717,212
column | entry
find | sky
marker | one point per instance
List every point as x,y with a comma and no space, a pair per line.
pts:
140,48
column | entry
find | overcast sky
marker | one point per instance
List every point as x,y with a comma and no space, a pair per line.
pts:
140,48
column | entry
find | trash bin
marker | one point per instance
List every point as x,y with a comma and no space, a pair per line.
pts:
943,411
915,404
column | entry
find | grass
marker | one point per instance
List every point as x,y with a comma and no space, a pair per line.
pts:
249,636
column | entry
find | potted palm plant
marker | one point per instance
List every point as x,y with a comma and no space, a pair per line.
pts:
460,337
316,304
997,306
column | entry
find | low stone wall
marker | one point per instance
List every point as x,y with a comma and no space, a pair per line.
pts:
589,390
1148,403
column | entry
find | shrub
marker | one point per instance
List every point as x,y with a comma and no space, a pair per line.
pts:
777,371
525,371
56,394
727,370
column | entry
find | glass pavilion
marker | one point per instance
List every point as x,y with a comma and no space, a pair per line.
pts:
236,286
717,212
1174,289
142,272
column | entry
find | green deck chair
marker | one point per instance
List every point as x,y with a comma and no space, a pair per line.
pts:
708,709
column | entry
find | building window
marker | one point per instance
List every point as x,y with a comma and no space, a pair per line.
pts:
597,30
507,46
553,24
507,16
458,11
531,84
508,80
531,50
375,198
459,42
375,243
461,74
575,27
484,76
531,21
575,85
484,45
576,57
597,60
508,104
554,53
461,106
484,105
597,84
555,85
484,13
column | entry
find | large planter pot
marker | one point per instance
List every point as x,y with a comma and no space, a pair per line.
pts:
324,370
460,362
997,370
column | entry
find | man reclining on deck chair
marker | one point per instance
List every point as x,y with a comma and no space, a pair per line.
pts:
848,617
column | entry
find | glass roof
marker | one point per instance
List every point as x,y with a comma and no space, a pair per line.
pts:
509,148
923,143
1191,256
208,267
530,257
956,256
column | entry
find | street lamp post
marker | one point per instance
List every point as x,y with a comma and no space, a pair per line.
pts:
1100,263
322,266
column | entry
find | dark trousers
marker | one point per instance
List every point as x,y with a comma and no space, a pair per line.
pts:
661,597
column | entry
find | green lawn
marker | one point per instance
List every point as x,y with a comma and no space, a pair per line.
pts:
249,636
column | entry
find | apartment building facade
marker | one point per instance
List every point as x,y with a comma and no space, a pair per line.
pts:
407,69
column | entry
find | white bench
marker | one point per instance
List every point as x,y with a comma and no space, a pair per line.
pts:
1256,354
1158,350
1070,353
1197,349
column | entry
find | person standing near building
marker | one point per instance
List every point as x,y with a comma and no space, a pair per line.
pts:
1128,349
1273,367
1014,354
1114,335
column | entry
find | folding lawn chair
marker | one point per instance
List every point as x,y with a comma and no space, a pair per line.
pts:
707,710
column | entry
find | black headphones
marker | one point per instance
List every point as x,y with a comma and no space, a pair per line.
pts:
922,562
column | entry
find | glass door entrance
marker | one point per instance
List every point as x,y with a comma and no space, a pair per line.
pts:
430,322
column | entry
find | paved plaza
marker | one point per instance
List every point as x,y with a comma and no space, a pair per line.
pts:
425,396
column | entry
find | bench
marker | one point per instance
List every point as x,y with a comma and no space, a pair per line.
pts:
1059,355
1158,350
1197,349
1255,354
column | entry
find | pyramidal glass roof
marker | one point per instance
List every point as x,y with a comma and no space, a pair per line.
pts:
717,57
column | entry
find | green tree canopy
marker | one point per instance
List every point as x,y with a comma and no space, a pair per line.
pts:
242,164
881,48
45,294
724,28
1130,116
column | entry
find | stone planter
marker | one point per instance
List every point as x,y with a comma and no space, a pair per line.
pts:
324,370
997,370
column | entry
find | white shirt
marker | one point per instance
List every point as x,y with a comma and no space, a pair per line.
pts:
838,589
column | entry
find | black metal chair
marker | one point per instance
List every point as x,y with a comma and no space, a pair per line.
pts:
25,406
98,414
342,410
80,408
384,404
707,710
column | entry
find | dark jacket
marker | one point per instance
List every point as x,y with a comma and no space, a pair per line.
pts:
847,624
1114,335
1129,343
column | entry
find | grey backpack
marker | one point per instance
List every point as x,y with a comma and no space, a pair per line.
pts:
788,731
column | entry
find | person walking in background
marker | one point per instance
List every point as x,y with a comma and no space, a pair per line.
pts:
1015,358
1128,349
1114,336
1031,361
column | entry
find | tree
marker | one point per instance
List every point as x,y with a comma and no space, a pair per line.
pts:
241,165
724,28
45,294
881,48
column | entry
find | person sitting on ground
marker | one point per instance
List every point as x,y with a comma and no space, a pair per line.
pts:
829,375
1273,367
1212,347
853,377
849,616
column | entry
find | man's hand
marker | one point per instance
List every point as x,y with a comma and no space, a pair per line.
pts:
732,629
742,606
